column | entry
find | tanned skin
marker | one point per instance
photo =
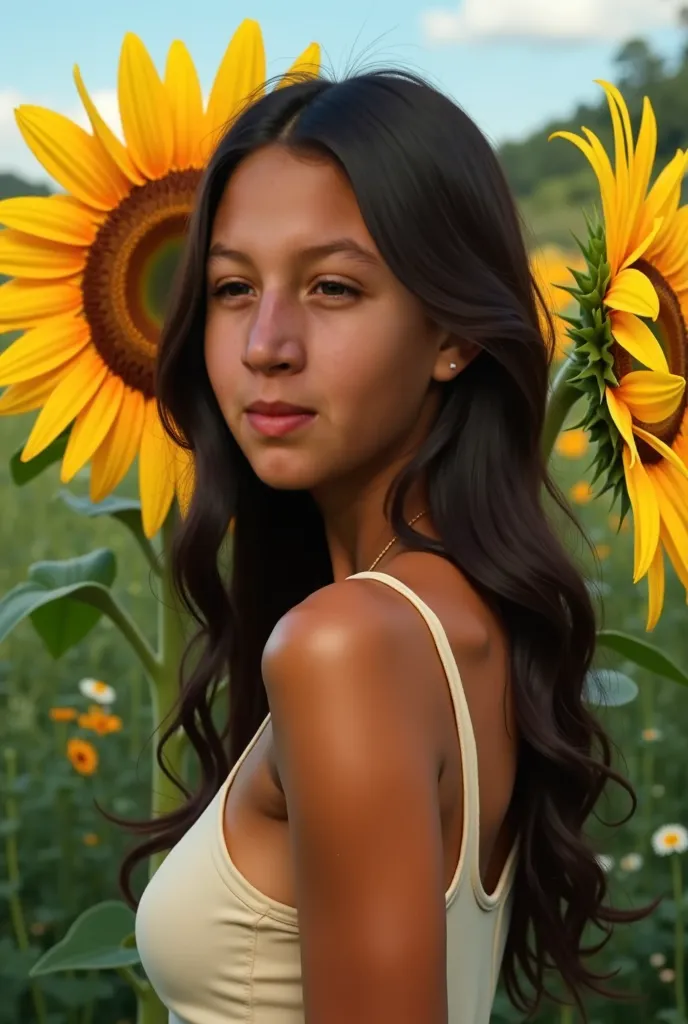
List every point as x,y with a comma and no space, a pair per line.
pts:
350,806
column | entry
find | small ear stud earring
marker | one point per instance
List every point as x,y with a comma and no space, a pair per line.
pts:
452,366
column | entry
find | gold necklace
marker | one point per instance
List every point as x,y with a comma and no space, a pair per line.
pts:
393,541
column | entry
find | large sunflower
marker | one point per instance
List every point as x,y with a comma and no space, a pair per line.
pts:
637,274
92,268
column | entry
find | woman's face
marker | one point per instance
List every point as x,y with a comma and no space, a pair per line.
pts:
321,361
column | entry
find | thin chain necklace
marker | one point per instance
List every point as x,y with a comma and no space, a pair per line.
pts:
393,541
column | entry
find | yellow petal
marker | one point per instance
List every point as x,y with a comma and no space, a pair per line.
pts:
644,159
668,253
307,64
663,449
645,514
638,340
31,394
664,189
186,103
26,303
57,218
145,109
156,472
643,245
24,255
674,532
91,426
112,459
655,587
66,401
594,152
623,421
632,292
118,153
623,158
241,74
44,348
75,159
650,396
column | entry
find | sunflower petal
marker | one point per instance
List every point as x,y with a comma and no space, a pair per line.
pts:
623,420
307,64
25,256
632,292
674,532
26,303
57,218
644,158
145,109
655,588
118,153
184,477
186,103
241,74
664,189
642,246
645,514
46,347
75,159
114,456
663,449
594,152
156,472
623,158
91,426
650,396
668,251
31,394
638,340
67,400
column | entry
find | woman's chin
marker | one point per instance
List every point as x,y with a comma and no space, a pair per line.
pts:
284,471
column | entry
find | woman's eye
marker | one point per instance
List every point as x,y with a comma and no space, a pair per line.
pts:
231,289
336,289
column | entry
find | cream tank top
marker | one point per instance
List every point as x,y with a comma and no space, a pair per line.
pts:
218,951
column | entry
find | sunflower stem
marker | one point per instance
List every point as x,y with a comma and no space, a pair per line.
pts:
21,934
165,689
679,954
562,398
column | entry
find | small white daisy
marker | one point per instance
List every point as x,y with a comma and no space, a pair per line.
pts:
98,691
651,735
605,862
631,862
667,975
657,960
670,839
658,790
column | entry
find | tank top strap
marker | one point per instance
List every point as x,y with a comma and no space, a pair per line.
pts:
469,753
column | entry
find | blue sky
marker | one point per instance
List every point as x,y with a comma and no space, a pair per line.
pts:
502,60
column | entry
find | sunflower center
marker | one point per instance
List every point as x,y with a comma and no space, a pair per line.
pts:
129,272
674,336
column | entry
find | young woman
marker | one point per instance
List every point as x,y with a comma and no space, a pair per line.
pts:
355,360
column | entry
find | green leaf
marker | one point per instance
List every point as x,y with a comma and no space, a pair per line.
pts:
643,654
23,472
609,688
62,599
94,942
126,510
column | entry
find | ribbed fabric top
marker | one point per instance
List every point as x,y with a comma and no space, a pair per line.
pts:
218,951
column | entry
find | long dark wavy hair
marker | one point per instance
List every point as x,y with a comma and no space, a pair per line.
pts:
436,203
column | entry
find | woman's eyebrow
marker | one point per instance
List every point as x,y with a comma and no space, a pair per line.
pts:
342,246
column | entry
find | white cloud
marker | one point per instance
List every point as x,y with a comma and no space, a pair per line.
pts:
546,20
15,155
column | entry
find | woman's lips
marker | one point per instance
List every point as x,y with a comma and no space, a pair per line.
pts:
278,424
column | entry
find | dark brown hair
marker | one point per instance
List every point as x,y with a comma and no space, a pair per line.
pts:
436,203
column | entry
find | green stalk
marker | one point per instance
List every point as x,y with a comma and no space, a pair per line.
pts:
566,1015
14,877
677,878
562,398
164,686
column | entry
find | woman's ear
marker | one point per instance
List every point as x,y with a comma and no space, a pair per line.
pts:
453,357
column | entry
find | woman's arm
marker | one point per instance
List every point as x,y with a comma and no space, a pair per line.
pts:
359,773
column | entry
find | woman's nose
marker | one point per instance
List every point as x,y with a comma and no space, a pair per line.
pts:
274,341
